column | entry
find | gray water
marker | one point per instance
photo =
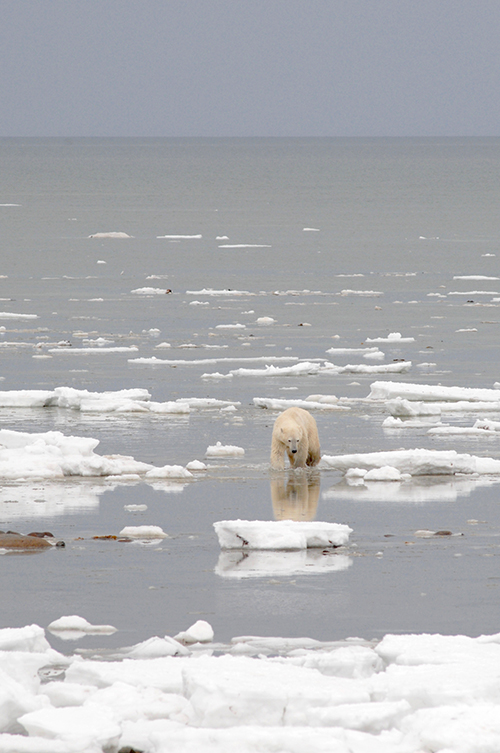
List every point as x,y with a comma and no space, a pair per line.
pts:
398,217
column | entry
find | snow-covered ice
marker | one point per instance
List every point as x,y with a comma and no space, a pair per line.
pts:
416,462
404,694
432,392
52,455
114,234
220,450
143,532
280,534
72,627
307,403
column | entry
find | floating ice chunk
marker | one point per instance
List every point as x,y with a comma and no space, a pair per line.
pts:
196,465
220,450
473,292
392,337
95,350
230,326
150,291
279,534
10,315
308,403
430,392
199,403
478,431
474,277
401,407
135,508
260,564
298,369
418,462
225,292
384,473
350,351
244,245
200,632
143,532
367,293
113,235
392,422
163,345
210,361
388,368
168,471
323,399
53,455
180,237
310,230
265,320
122,401
156,647
74,624
216,375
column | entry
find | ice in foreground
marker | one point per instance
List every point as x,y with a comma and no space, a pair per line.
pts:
406,694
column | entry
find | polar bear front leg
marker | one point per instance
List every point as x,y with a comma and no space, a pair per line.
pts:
278,457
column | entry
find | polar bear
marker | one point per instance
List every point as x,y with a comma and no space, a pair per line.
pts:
295,432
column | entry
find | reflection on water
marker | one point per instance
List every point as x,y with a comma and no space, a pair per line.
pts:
295,496
258,564
420,490
49,499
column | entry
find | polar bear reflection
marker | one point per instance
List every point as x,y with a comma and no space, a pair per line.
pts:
296,496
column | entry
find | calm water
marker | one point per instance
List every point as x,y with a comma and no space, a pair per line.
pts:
391,223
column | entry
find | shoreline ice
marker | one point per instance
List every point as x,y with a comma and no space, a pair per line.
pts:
404,694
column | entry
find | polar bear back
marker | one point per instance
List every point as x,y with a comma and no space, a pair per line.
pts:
295,432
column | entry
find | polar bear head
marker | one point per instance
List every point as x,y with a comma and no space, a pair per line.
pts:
291,436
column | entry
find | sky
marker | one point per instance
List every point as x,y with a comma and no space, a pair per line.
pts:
249,68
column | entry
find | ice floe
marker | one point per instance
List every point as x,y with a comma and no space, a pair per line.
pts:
416,462
180,237
280,534
53,455
310,367
135,400
224,292
220,450
308,403
150,291
432,393
404,694
115,235
12,315
143,532
200,632
393,338
72,627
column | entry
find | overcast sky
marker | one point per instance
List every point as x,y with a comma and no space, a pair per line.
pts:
249,67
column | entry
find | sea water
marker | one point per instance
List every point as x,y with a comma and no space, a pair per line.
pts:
249,249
